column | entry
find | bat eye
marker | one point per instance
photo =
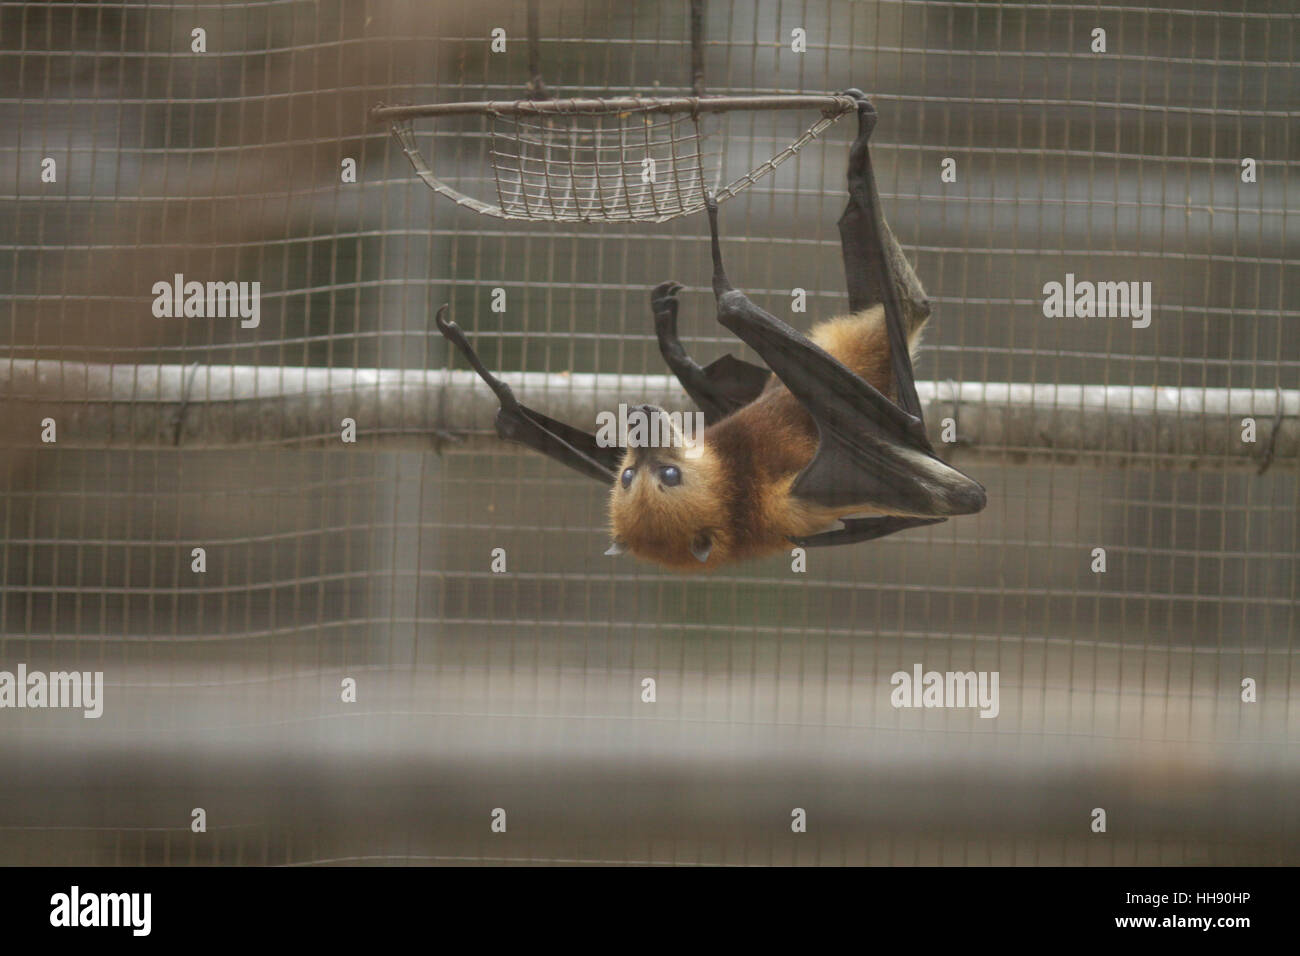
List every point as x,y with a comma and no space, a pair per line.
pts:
628,475
671,476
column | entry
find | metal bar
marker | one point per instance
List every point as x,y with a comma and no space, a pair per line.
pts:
697,47
671,104
231,405
536,87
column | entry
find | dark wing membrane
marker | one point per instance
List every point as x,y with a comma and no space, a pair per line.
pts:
518,423
734,382
862,275
869,453
556,440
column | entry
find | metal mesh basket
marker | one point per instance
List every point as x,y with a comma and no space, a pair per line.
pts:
625,159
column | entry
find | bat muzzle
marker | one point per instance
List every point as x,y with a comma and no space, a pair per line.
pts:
651,430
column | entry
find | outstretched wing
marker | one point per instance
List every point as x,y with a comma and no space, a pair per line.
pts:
519,423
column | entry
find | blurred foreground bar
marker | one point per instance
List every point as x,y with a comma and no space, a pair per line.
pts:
99,406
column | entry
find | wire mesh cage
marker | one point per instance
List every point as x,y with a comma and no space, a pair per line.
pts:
195,523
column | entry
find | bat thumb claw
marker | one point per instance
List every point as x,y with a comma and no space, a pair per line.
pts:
441,321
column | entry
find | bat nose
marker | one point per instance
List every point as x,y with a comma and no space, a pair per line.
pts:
642,447
651,415
656,434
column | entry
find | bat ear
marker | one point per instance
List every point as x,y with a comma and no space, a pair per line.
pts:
616,548
701,546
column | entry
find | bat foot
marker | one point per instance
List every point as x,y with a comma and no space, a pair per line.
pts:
663,302
665,293
867,117
721,283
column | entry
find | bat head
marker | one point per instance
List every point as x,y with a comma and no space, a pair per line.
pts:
664,506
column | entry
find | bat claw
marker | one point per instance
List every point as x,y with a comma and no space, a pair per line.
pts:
443,325
665,292
663,300
867,115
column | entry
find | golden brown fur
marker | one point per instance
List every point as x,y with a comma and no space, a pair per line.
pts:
735,488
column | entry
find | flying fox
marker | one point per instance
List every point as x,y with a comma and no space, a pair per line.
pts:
825,446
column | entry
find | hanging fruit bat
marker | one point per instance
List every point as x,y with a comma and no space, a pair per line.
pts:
827,448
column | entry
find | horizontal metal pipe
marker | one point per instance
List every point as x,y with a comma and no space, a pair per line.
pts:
646,104
97,405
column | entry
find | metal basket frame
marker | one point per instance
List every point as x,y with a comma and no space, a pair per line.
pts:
518,199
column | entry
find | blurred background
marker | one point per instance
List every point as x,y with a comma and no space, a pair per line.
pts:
523,690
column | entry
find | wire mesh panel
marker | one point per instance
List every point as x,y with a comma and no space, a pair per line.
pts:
566,174
247,485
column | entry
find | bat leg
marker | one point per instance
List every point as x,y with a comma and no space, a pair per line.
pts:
721,284
717,389
516,422
663,303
